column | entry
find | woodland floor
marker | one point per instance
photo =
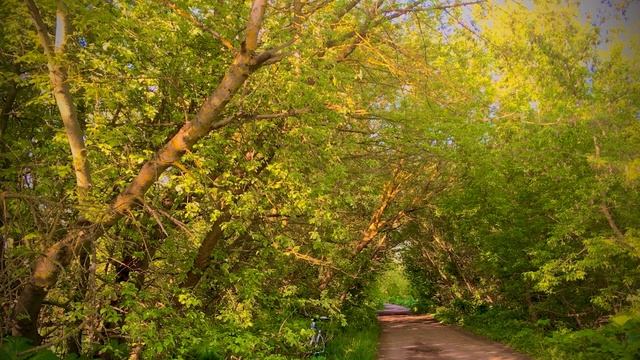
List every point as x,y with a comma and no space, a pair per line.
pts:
406,336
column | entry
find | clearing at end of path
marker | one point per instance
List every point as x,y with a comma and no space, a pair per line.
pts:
406,336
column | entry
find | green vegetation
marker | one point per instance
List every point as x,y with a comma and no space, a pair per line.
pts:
358,340
191,178
392,286
616,340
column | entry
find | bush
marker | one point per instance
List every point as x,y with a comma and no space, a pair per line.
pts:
620,339
617,340
18,348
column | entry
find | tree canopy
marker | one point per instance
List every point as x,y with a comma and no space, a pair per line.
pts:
184,175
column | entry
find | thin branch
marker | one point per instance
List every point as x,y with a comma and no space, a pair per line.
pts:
195,21
177,222
317,262
612,224
248,117
398,12
281,114
345,10
155,217
68,334
61,305
41,28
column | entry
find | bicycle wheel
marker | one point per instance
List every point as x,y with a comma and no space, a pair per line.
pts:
319,344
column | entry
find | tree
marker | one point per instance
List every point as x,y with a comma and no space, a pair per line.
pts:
123,91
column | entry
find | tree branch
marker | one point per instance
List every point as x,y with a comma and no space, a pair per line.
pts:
254,24
62,94
192,19
41,28
58,256
612,224
62,27
394,13
244,64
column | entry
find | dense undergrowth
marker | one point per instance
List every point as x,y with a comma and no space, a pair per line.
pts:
357,341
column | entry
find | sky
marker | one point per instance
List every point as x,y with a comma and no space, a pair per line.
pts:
612,14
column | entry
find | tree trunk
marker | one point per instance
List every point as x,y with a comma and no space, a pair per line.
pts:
58,77
58,256
376,223
43,277
203,258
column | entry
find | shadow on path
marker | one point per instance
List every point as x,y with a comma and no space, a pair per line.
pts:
406,336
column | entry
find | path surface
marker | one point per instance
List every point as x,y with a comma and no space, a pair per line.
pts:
407,337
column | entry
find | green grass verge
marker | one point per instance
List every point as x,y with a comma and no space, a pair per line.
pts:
356,342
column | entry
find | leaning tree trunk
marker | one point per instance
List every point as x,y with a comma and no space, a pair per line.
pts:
376,224
57,257
215,236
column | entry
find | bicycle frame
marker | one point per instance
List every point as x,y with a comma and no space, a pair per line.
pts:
317,341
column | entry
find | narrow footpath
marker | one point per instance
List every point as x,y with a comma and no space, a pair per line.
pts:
406,336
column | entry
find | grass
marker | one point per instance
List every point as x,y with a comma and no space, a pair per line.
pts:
357,342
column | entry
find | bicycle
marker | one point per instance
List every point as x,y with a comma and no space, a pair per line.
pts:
318,341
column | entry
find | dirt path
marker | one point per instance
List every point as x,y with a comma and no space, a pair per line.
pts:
406,337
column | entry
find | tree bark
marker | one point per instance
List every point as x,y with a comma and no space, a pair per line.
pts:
44,277
203,257
58,75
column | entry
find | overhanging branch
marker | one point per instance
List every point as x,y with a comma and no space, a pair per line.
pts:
195,21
